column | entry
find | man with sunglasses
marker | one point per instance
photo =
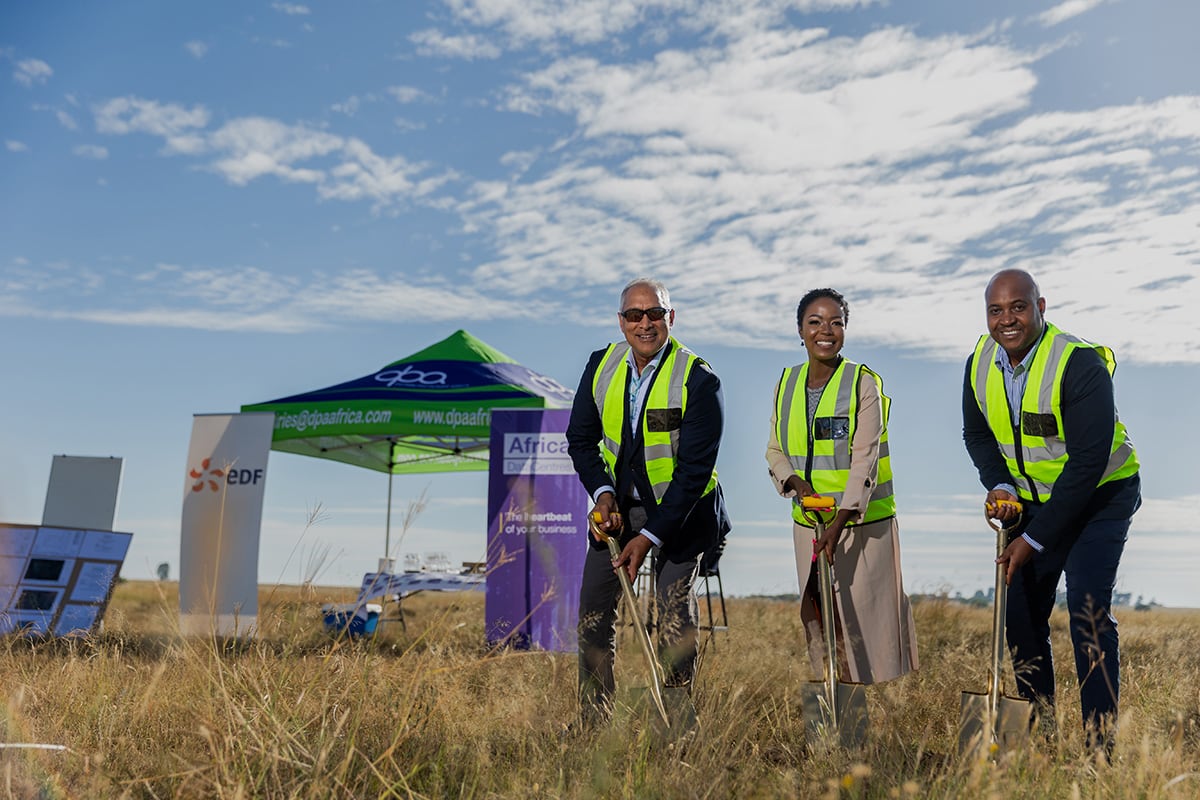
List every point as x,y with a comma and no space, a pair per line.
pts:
643,437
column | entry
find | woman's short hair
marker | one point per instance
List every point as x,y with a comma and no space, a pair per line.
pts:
817,294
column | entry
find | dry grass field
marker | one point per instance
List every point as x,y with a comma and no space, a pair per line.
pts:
427,712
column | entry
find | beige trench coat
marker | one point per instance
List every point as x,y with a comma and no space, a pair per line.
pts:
876,638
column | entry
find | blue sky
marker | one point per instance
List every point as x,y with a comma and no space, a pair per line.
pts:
209,204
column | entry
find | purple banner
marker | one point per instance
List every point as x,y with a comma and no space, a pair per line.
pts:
536,532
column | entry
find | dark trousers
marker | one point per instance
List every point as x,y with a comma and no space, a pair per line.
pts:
1091,568
675,609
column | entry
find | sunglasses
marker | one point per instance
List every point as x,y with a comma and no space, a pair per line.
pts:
635,314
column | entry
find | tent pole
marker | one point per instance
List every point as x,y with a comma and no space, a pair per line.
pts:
387,536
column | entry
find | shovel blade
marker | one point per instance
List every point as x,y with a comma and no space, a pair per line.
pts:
681,712
974,734
977,732
1013,719
848,728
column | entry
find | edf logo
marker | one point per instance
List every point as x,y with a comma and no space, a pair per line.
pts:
208,476
244,477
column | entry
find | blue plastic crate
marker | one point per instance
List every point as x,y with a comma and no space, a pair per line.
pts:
342,618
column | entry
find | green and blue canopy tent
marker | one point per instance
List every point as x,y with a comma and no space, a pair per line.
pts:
428,412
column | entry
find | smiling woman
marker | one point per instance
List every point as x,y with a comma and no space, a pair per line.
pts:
829,439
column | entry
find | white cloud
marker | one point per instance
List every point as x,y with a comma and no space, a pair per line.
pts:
431,42
174,123
271,321
520,161
1165,515
196,48
370,295
407,125
13,146
903,169
66,120
245,149
243,298
407,94
552,22
255,146
91,151
274,41
32,70
349,106
292,9
1065,11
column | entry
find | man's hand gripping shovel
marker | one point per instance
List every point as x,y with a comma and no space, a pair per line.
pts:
833,711
643,635
991,723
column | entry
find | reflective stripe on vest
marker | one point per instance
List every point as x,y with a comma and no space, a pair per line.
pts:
1036,452
668,390
821,454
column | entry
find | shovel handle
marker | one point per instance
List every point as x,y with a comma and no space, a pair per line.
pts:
818,505
642,635
825,586
825,581
990,509
1000,606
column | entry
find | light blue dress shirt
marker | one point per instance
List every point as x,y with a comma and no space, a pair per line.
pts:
639,387
1015,379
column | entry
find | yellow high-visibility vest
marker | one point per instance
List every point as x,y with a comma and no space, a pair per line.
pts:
662,413
821,453
1035,451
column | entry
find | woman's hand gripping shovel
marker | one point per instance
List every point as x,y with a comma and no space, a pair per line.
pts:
643,635
833,711
990,722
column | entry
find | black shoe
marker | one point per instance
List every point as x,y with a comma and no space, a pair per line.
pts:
1043,723
1100,743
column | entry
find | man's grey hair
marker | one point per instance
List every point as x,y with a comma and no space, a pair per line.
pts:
658,286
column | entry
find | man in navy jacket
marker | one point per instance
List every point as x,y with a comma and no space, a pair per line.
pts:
646,452
1041,426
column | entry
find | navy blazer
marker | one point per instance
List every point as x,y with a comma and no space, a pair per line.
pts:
1088,411
687,521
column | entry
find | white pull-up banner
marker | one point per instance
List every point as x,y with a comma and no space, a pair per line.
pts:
222,514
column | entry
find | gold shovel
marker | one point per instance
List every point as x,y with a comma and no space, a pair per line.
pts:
642,635
991,722
834,711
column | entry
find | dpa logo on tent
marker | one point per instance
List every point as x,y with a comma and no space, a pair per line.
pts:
411,376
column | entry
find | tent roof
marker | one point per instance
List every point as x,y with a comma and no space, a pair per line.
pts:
458,346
